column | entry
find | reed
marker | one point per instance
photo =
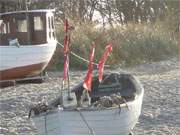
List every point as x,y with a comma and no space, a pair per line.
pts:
132,44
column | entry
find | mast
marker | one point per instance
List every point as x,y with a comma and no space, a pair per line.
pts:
66,76
68,79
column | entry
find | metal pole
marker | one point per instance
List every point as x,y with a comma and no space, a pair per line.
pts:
61,94
68,81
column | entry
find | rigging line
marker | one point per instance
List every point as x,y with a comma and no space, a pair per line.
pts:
83,118
81,58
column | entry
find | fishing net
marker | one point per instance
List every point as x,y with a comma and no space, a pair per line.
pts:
109,101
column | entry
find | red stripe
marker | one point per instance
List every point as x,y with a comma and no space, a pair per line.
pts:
88,80
102,61
23,71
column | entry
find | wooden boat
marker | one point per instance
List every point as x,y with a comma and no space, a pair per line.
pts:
27,43
120,119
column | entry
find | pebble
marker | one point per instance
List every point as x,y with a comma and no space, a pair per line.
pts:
160,110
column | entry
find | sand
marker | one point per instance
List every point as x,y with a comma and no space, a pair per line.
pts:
160,110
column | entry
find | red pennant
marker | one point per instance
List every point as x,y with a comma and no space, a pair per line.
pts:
67,37
66,51
88,80
66,25
102,61
66,44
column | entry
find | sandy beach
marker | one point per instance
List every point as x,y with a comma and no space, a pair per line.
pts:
160,111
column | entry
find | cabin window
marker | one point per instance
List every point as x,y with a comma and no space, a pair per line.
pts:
49,34
49,22
53,34
22,25
38,23
52,22
2,28
8,27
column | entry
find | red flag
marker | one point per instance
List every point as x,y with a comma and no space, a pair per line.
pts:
66,25
102,61
66,51
67,38
66,44
89,76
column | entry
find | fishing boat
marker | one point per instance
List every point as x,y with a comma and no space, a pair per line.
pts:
115,108
27,43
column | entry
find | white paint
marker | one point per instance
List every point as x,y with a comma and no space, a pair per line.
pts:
103,122
29,11
12,56
49,28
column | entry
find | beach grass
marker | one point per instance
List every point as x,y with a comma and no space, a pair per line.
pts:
132,44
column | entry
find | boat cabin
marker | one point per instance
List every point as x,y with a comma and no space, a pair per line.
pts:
30,27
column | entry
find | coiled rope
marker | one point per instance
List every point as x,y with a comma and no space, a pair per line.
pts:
79,57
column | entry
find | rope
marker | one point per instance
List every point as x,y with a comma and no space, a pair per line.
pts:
81,58
90,129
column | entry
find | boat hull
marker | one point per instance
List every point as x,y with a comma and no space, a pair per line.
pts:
24,61
112,121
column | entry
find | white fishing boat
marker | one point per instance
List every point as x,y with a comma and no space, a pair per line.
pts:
27,43
105,116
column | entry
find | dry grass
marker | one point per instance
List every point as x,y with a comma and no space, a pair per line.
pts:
132,44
